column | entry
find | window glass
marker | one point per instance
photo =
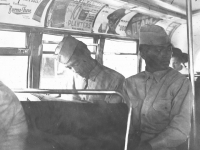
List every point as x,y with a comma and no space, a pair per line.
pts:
54,38
52,73
120,46
50,42
14,71
18,39
121,57
124,64
49,47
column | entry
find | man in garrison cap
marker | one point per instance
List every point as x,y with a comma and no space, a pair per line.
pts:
89,74
160,96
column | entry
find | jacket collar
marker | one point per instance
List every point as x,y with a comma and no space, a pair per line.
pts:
158,75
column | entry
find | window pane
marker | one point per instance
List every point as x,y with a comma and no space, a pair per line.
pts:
14,71
49,37
18,39
120,46
53,74
49,47
124,64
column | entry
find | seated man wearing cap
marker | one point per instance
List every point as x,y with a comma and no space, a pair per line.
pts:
160,96
75,55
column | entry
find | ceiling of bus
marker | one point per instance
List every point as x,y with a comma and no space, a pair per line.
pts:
178,6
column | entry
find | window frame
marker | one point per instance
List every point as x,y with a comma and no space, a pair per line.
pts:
17,51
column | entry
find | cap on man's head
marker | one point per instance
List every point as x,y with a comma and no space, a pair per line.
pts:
66,48
153,35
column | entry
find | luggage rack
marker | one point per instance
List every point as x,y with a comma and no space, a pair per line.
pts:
87,92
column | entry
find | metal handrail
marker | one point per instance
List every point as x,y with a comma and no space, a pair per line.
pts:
91,92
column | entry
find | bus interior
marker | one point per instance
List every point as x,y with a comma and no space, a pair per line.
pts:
30,30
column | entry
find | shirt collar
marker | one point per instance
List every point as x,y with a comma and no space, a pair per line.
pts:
158,75
97,69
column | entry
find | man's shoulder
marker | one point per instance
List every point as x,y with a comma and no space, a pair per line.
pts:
176,75
176,79
112,73
5,90
7,95
140,75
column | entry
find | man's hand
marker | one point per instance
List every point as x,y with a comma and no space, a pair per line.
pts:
144,146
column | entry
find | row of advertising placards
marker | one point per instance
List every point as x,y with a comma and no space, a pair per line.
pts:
24,12
82,15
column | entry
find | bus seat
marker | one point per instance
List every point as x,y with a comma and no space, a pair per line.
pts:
57,125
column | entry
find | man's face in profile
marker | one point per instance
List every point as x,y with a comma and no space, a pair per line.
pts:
79,65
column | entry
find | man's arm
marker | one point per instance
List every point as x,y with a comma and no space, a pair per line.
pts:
116,85
179,128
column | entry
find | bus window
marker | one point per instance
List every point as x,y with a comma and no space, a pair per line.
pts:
13,62
53,74
18,39
14,71
121,56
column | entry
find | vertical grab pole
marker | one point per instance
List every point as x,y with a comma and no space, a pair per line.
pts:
128,127
192,140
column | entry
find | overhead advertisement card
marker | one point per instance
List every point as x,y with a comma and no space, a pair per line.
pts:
24,12
136,22
109,20
80,14
169,26
101,22
56,15
121,27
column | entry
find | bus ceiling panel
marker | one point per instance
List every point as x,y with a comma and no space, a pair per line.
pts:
175,6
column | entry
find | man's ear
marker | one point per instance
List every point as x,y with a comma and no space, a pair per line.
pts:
143,53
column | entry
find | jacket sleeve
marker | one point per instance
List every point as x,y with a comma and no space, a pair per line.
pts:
13,126
8,107
116,85
179,128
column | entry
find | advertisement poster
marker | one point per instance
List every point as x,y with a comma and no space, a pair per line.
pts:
136,22
56,15
80,14
24,12
169,26
121,27
108,20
